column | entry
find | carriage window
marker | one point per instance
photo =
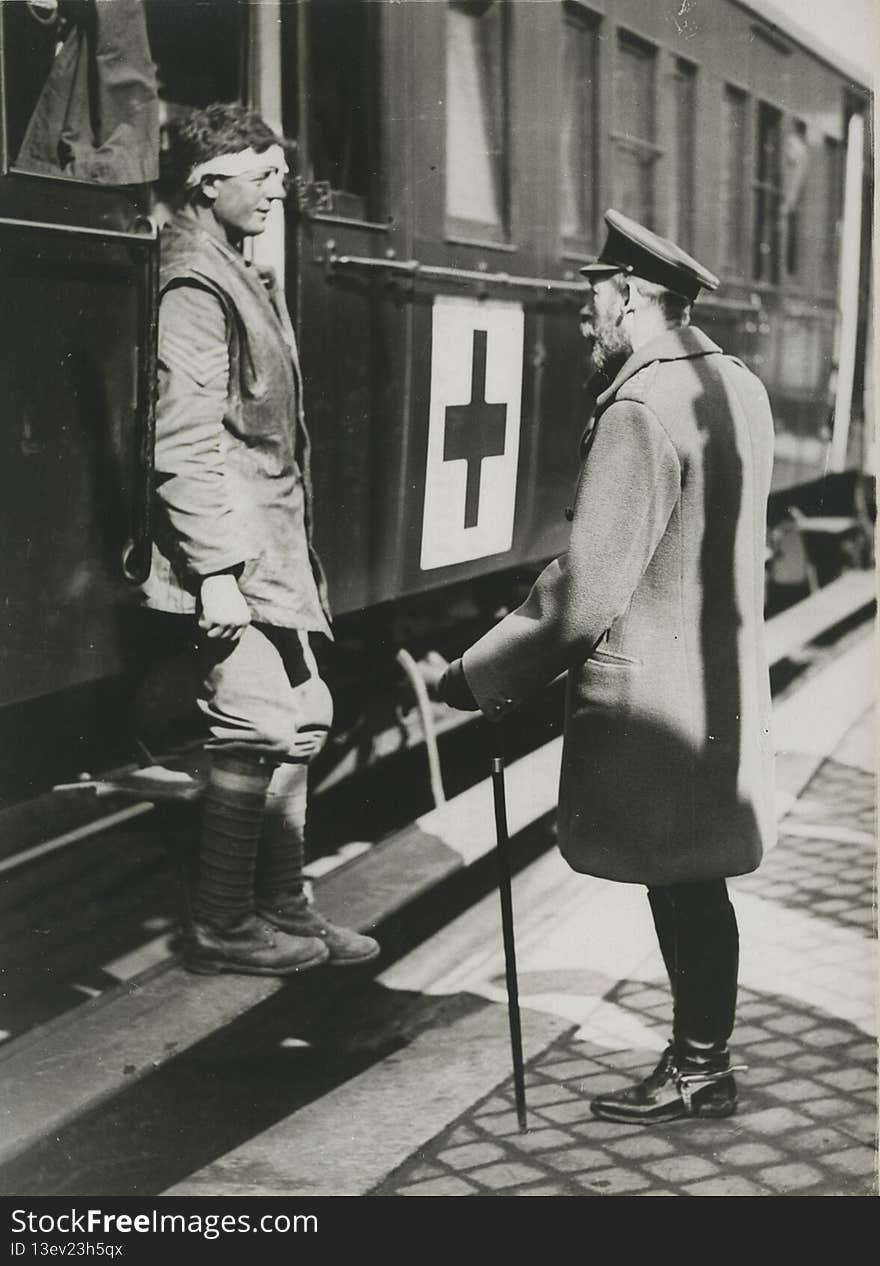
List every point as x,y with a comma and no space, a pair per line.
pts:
578,128
684,89
198,54
797,155
768,195
733,166
477,124
635,152
341,130
80,91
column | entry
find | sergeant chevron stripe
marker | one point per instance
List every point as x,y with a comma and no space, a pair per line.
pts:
203,365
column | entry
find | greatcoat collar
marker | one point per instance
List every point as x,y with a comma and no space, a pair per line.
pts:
678,344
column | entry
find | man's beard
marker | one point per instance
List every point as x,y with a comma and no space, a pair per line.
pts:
610,349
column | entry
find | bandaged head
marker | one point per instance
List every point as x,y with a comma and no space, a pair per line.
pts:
249,163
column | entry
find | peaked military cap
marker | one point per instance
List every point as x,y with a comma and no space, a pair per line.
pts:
631,248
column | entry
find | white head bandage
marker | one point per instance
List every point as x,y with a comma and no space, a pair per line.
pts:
247,162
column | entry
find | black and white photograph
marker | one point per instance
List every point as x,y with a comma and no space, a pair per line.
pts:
437,644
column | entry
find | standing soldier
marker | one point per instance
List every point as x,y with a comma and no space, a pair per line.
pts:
656,611
233,552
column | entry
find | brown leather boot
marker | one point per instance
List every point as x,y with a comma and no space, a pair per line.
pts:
292,914
251,947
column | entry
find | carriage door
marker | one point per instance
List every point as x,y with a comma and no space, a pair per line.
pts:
344,101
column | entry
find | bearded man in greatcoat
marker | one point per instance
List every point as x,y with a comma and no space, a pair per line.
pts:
656,613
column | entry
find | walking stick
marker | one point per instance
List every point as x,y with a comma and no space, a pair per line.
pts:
507,933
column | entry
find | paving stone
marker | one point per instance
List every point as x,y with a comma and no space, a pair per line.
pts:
540,1140
470,1154
797,1090
508,1174
824,1107
602,1083
775,1120
583,1048
552,1092
448,1186
759,1075
563,1113
794,1176
423,1171
541,1189
682,1169
499,1124
758,1009
810,1062
863,1052
793,1023
572,1068
853,1160
819,1140
863,1128
852,1078
556,1054
533,1079
643,999
751,1035
824,1037
640,1146
778,1048
725,1185
712,1133
461,1134
495,1104
630,1059
749,1154
850,890
614,1182
577,1158
600,1131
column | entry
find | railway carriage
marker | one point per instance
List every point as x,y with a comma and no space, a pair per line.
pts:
454,163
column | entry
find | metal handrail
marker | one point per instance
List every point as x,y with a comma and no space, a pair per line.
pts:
751,305
413,269
80,230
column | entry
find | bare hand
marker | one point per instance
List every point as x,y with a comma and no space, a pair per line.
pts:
223,611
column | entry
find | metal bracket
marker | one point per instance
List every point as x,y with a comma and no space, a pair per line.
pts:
314,197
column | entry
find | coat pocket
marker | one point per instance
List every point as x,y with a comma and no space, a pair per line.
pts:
606,683
614,660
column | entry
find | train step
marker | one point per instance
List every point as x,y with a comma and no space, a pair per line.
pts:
61,1070
794,628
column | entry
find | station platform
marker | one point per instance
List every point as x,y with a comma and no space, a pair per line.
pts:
402,1084
436,1117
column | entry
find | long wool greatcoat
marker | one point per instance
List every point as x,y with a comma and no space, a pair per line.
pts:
656,611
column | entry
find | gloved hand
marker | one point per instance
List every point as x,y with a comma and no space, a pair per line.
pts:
431,670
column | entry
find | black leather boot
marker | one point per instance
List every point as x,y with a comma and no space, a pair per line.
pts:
678,1087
